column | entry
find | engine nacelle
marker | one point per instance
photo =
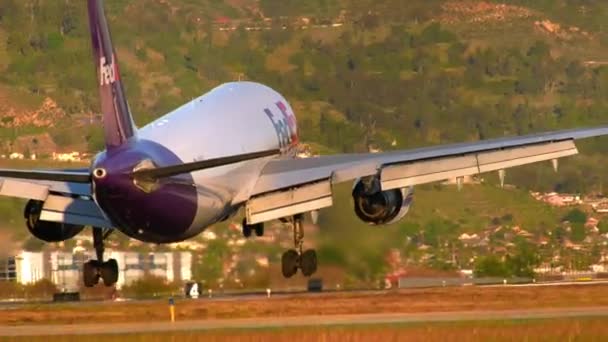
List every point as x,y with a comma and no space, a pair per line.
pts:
377,207
44,230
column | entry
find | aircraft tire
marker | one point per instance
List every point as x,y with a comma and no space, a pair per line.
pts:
308,262
259,229
90,273
109,272
246,229
289,263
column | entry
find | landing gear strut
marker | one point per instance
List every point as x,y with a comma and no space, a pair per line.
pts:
295,259
93,270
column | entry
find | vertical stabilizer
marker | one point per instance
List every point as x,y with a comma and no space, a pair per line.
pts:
118,123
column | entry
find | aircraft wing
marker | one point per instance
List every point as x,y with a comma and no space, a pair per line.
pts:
291,186
64,201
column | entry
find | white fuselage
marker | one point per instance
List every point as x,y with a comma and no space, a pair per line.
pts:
229,120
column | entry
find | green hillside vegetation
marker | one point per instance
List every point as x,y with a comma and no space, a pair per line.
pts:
392,77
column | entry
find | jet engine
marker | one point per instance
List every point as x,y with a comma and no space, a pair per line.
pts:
44,230
377,207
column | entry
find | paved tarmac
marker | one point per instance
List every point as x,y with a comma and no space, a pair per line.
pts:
282,322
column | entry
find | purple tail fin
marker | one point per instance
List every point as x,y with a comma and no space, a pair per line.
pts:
118,123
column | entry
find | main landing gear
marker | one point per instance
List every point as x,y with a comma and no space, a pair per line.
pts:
93,270
294,258
248,229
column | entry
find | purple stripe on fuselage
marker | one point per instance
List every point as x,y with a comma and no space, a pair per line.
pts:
162,215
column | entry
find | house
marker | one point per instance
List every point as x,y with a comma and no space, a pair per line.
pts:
423,247
524,233
16,156
558,200
570,245
262,261
542,241
547,268
588,240
67,157
223,20
591,223
467,237
191,245
209,235
601,207
463,180
472,240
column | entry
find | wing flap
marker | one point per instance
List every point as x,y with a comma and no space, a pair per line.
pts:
427,171
23,189
82,220
492,161
73,211
399,176
289,202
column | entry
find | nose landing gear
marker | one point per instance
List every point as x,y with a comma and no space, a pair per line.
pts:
94,270
295,259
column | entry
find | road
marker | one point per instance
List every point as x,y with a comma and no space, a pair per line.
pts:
282,322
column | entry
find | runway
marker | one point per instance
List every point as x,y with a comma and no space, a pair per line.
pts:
301,321
261,294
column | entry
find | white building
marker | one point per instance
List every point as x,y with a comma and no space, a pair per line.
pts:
30,267
16,155
64,269
67,157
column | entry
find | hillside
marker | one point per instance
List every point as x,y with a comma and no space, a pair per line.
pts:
375,74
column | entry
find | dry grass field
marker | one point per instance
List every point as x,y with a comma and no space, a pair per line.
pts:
405,301
535,330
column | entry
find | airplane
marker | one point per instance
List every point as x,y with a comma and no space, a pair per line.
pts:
231,149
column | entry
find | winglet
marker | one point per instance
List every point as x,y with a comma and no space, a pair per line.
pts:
118,123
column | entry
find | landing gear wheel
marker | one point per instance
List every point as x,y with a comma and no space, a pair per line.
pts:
308,262
289,263
94,270
109,272
247,231
90,273
259,229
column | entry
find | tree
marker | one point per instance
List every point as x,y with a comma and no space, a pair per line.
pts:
603,227
209,267
575,216
490,266
33,244
522,263
150,286
577,232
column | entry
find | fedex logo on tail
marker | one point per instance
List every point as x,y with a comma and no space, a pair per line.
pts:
284,125
108,73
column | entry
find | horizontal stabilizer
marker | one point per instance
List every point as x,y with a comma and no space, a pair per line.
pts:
76,176
168,171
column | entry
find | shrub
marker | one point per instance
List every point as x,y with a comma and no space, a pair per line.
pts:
150,286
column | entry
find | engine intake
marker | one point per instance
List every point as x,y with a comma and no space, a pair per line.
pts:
377,207
44,230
